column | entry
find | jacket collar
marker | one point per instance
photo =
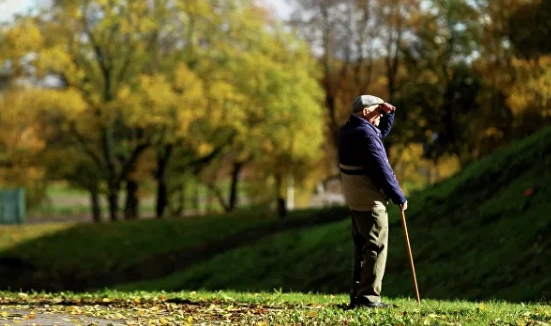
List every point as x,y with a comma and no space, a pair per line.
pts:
355,121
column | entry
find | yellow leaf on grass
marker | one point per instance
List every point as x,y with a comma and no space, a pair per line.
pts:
312,314
5,314
482,306
163,321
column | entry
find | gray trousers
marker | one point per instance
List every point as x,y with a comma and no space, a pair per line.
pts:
370,236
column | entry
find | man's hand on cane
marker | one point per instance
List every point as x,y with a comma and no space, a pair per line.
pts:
404,206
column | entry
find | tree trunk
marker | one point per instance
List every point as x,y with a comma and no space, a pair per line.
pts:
162,197
290,192
436,170
113,200
280,201
209,203
131,209
178,209
96,209
233,201
160,175
196,198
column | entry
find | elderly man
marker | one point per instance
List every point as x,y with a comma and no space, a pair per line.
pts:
368,182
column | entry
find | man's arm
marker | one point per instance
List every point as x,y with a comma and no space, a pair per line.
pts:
386,124
379,170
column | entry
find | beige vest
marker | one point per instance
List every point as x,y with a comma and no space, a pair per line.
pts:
360,192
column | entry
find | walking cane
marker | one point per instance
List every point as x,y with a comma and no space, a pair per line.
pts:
410,257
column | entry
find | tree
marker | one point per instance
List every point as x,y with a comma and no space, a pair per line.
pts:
343,33
99,49
21,146
437,102
274,113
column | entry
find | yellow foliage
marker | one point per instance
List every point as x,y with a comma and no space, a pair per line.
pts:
532,91
162,103
20,142
22,39
178,76
68,103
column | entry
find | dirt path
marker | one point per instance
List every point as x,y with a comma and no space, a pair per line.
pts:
132,313
54,316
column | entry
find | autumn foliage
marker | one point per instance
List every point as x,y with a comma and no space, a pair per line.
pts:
141,97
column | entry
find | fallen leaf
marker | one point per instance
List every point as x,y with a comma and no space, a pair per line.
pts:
528,192
482,306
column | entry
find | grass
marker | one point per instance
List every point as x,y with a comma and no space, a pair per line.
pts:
102,246
262,308
478,235
93,246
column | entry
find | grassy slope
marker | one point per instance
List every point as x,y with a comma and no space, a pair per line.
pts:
473,236
101,245
203,308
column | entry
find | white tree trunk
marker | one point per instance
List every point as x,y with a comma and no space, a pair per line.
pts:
290,192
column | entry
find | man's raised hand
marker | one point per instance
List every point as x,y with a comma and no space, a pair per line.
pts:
387,108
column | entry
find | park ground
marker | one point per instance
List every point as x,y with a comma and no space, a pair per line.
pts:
480,242
218,308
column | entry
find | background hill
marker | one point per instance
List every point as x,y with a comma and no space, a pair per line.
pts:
481,234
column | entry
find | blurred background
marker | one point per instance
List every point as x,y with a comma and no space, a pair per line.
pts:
224,115
115,109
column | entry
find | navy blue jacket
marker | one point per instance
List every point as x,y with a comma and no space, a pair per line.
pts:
360,144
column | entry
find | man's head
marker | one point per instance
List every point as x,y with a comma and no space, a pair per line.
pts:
368,107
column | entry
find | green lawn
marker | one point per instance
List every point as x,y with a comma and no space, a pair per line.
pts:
208,308
475,236
102,246
97,246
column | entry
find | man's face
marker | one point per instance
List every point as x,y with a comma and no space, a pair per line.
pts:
373,116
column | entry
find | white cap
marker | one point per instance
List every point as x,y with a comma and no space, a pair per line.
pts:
365,101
